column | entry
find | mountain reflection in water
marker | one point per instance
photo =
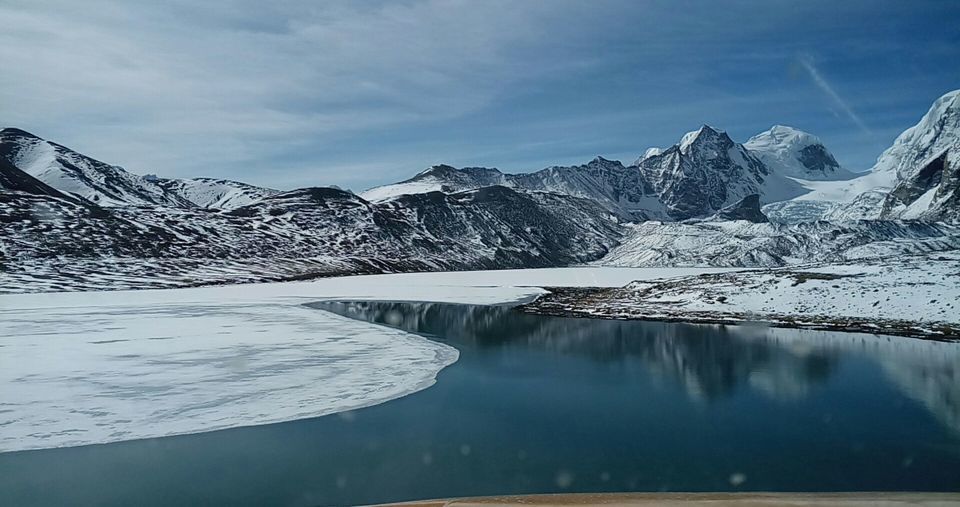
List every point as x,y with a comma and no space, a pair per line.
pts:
709,361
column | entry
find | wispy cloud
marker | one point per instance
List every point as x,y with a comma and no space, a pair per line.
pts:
297,92
806,62
175,87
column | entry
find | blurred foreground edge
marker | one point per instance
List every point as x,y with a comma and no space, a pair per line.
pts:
704,499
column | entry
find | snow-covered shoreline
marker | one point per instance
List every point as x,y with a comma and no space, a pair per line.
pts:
916,296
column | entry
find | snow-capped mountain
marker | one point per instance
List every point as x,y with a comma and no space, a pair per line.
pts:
795,153
623,190
214,193
85,178
696,177
916,178
49,243
708,171
649,152
12,179
936,133
73,222
81,176
620,189
926,161
486,227
439,178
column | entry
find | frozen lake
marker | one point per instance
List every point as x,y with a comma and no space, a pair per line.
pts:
548,404
97,367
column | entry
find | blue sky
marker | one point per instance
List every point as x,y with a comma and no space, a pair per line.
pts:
356,94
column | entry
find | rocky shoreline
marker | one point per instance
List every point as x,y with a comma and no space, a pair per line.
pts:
854,297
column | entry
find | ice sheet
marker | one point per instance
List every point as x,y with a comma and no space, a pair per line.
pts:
94,367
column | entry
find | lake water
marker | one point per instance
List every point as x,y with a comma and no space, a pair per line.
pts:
546,404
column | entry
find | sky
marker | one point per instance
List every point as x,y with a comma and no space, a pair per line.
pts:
289,94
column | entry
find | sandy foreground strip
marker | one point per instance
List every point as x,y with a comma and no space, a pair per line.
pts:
709,499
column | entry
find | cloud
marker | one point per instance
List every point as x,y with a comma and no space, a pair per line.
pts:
806,62
295,92
169,85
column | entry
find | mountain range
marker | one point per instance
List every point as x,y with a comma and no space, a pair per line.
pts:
793,173
69,219
701,174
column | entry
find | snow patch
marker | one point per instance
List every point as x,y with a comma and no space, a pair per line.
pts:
82,375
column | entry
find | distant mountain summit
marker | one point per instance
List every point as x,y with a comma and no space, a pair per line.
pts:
622,189
926,161
12,179
916,178
619,189
215,193
707,171
795,153
93,181
938,131
439,178
78,175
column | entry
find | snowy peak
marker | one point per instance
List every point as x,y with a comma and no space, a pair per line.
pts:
597,165
15,180
704,137
649,152
480,174
13,132
937,131
80,176
448,171
438,178
215,193
605,162
926,162
707,171
785,135
795,153
435,170
622,190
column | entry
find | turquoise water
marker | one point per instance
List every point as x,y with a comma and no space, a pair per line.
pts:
546,404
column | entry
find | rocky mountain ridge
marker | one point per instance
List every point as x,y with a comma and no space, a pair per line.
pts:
102,184
926,161
915,179
795,176
72,222
51,243
696,177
